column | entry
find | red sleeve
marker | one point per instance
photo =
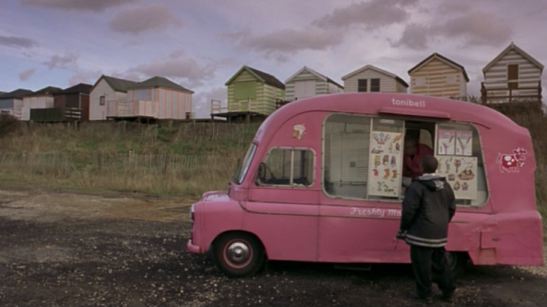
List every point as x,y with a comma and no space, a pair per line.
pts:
425,150
412,167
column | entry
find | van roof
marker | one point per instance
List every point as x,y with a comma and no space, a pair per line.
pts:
393,104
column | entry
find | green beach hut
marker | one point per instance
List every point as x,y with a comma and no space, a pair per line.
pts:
252,92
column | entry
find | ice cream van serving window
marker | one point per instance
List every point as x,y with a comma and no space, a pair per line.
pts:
286,167
367,157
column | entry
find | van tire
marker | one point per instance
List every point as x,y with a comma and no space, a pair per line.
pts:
238,254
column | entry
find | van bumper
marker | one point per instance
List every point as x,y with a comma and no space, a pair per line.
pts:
192,248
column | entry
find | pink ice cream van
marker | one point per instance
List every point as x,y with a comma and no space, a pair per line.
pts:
323,181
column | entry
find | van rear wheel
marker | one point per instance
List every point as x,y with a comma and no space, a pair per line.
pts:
238,254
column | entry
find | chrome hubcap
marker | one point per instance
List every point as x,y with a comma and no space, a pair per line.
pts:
238,252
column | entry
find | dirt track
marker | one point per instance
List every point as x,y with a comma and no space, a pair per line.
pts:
73,249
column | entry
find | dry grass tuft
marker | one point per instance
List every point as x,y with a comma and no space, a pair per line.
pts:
8,124
183,159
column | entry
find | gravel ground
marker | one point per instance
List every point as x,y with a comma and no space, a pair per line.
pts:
78,250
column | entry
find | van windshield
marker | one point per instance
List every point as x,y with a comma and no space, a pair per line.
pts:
243,167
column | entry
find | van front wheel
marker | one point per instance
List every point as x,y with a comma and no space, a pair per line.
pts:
238,254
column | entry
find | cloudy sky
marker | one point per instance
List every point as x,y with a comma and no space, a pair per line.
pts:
201,44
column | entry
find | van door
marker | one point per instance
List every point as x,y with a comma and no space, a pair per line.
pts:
283,204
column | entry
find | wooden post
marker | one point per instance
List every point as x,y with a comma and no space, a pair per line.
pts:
213,126
539,92
212,109
484,93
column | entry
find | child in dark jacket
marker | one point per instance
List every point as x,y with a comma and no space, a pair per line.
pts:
428,207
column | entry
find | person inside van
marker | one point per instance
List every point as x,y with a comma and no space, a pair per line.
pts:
413,155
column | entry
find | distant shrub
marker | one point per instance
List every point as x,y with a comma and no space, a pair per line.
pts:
8,124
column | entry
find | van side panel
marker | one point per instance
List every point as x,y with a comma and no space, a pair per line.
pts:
513,235
509,238
510,168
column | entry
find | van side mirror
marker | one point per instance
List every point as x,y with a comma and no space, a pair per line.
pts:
261,174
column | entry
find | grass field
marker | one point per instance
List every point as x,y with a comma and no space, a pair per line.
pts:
183,159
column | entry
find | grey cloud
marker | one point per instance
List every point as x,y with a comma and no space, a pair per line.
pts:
16,41
84,76
177,66
62,61
414,36
218,93
374,13
474,28
142,19
289,41
327,31
480,28
77,5
449,7
26,74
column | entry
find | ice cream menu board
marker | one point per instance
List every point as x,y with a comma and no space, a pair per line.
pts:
446,143
454,142
461,173
385,163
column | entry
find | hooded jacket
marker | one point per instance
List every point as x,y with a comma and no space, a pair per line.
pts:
428,207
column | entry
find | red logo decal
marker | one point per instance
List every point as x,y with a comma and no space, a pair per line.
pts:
512,162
